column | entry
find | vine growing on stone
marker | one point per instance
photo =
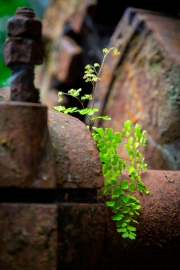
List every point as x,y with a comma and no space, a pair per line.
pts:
125,206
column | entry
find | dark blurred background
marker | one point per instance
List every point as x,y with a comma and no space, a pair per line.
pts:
106,18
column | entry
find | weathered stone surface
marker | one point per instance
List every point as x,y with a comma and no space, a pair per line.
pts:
59,12
81,234
28,237
157,245
76,155
67,57
26,157
142,84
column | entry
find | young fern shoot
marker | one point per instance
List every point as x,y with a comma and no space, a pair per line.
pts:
125,206
92,75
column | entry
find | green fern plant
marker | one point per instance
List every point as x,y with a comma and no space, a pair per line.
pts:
125,206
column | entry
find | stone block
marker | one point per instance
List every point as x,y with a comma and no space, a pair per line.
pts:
143,85
66,62
28,237
157,244
26,157
81,234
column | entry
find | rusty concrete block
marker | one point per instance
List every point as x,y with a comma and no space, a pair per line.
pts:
77,161
32,156
28,237
26,158
24,24
143,84
20,50
81,234
77,20
59,13
157,245
67,56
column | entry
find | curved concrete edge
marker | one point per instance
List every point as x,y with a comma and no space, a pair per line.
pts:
157,245
77,160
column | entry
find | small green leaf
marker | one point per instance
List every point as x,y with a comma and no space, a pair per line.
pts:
60,98
140,188
107,159
109,167
89,97
127,219
114,197
95,137
100,131
122,230
116,168
125,198
105,50
117,216
118,205
132,235
107,183
136,207
127,124
123,131
101,143
110,203
60,108
126,210
74,92
116,158
100,117
115,211
124,184
133,220
131,228
132,187
142,184
136,144
146,191
104,168
116,191
114,181
106,191
118,137
125,235
109,132
115,51
121,223
108,174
